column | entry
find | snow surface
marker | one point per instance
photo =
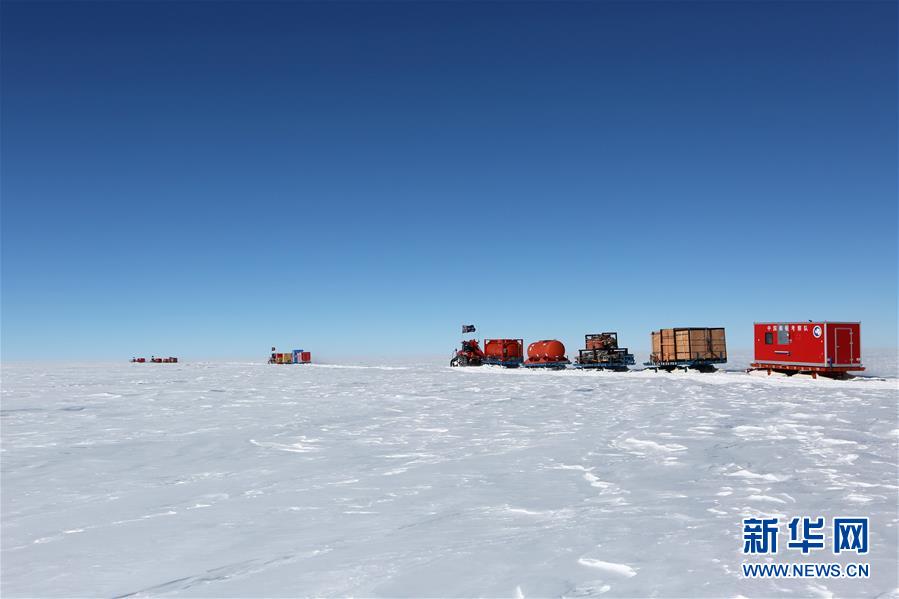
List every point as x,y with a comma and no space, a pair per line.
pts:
243,479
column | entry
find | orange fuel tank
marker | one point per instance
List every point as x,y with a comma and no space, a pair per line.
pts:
503,349
547,350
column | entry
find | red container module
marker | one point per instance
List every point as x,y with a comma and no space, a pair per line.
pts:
504,352
816,347
305,357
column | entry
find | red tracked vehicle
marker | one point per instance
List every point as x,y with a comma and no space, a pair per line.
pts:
831,349
469,355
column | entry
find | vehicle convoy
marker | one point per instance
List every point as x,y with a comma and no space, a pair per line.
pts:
297,356
547,353
602,352
155,360
831,349
817,347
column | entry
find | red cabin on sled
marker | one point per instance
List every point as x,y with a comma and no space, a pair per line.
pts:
816,347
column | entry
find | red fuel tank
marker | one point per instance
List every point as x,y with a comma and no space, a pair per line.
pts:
503,349
547,350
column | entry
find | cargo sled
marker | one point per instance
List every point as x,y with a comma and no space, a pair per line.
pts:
602,353
697,348
503,352
548,353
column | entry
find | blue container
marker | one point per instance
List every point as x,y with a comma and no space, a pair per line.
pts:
296,356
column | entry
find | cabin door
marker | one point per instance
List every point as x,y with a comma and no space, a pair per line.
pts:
842,345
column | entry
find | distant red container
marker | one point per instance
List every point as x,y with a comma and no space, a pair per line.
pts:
305,356
808,346
504,349
547,350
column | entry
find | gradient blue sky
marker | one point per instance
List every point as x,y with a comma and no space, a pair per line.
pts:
206,179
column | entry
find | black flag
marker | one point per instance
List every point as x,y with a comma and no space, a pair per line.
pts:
467,328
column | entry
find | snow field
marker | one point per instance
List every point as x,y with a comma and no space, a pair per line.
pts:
255,480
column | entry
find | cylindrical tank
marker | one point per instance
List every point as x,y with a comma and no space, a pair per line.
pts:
503,349
547,350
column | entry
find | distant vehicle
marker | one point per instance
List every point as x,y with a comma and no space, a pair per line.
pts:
297,356
155,360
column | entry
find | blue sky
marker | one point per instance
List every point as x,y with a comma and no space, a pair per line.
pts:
205,179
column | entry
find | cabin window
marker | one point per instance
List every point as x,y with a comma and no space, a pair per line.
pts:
783,337
769,338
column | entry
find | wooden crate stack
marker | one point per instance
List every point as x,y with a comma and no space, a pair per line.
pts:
672,345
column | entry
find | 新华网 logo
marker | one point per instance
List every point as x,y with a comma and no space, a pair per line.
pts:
806,535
